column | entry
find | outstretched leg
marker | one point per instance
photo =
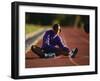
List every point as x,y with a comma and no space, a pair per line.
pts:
67,52
57,51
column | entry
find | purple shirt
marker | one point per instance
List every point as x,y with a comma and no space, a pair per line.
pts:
50,40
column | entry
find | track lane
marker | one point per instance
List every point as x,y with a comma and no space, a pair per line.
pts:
73,38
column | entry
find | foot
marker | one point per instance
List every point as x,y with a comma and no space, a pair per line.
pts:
73,52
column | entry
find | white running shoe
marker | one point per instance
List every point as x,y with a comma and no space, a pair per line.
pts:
73,52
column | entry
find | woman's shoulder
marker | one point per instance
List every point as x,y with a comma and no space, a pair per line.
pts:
50,31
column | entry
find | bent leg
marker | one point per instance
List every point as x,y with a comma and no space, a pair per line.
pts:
37,50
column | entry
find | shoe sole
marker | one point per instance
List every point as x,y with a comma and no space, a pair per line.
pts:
74,53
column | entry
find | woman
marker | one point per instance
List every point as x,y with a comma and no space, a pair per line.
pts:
53,44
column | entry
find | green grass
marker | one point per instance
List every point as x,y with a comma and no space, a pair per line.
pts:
29,28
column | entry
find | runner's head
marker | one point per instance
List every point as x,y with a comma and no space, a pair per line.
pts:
56,28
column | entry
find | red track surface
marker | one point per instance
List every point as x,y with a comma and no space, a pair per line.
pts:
73,38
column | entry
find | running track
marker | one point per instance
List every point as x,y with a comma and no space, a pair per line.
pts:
73,37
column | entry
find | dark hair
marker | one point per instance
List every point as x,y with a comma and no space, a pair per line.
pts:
55,26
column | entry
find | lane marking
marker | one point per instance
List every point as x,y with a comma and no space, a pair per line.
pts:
34,43
73,62
83,57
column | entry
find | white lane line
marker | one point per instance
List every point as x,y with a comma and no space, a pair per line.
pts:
34,43
37,40
78,58
73,62
30,35
83,57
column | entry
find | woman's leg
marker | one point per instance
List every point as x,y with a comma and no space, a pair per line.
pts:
37,50
60,51
57,51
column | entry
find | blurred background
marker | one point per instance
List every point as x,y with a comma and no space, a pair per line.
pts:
34,21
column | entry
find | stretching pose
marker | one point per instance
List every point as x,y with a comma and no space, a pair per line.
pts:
53,44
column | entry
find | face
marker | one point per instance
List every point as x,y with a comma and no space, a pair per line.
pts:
58,30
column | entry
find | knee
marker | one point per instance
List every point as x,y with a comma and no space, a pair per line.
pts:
66,49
